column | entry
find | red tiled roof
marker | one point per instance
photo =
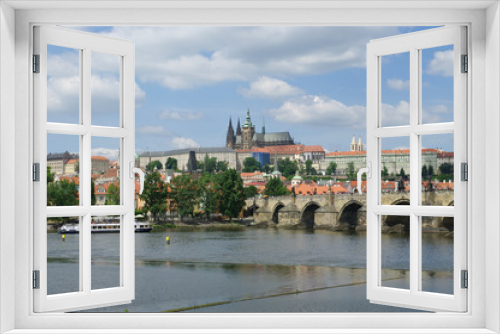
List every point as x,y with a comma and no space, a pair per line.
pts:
72,161
96,157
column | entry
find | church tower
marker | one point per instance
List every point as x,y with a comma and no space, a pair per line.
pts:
247,132
238,128
230,138
353,144
360,144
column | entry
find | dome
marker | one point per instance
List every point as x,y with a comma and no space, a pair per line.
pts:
297,177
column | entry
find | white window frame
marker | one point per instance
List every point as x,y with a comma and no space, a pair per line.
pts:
484,263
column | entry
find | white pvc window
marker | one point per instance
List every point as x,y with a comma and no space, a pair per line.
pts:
415,127
78,126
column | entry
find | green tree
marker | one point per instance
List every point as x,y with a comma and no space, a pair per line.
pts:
155,195
209,164
309,168
424,171
77,167
331,169
200,165
287,167
251,165
113,194
206,194
229,193
268,169
385,172
62,193
275,187
185,194
154,164
222,166
446,168
402,172
351,171
250,191
50,176
430,171
93,199
171,163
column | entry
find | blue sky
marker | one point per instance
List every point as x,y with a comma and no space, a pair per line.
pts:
310,81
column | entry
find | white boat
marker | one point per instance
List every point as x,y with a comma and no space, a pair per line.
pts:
103,228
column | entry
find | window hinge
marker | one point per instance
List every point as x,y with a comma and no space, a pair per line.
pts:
36,279
464,171
36,63
36,172
465,279
465,64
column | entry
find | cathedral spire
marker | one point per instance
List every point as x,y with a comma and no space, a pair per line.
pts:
263,126
238,128
248,123
230,138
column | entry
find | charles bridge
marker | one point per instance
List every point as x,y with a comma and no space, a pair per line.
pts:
340,212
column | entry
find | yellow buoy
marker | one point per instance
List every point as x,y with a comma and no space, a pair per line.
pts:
64,238
167,239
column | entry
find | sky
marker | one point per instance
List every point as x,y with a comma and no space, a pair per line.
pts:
190,80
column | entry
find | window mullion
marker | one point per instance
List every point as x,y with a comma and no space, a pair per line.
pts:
86,181
415,249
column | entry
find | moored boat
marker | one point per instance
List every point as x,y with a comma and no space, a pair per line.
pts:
103,228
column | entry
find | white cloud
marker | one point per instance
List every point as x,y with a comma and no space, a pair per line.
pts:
111,154
396,115
181,142
270,88
397,84
319,110
441,64
437,113
190,57
181,115
63,87
152,130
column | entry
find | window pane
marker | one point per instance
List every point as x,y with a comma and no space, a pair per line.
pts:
63,85
437,254
395,94
106,171
395,251
437,170
105,251
63,255
63,169
105,89
437,84
395,171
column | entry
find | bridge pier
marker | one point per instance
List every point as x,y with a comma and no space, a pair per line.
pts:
289,216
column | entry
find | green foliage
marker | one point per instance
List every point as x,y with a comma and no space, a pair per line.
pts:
430,170
171,163
50,176
62,193
251,165
309,167
250,191
222,166
274,187
268,169
93,199
113,194
352,172
424,171
206,194
385,172
287,167
154,164
155,195
402,172
229,193
185,193
446,168
210,164
200,165
77,167
331,169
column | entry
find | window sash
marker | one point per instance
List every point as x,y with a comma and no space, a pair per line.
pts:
86,297
412,43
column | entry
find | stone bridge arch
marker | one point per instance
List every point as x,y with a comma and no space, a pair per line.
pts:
249,211
307,214
348,215
398,220
277,207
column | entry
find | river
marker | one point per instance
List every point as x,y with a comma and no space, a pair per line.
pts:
254,270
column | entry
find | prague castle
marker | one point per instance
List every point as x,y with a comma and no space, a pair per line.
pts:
247,138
